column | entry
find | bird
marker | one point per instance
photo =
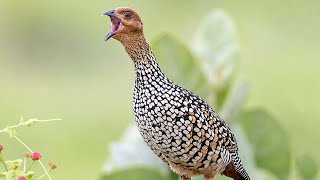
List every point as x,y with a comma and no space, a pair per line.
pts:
178,125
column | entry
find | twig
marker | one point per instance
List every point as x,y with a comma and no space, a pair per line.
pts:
44,174
29,167
24,164
4,163
27,123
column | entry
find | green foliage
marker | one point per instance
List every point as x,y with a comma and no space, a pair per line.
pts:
3,174
15,164
11,175
269,140
138,174
307,167
178,63
232,105
216,47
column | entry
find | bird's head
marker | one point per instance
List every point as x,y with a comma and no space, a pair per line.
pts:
125,24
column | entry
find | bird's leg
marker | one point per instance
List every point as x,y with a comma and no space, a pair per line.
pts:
185,178
208,177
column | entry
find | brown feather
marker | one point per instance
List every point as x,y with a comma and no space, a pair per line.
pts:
232,173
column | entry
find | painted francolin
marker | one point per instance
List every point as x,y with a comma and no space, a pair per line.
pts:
179,126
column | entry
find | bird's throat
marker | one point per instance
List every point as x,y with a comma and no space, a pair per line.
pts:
137,48
143,58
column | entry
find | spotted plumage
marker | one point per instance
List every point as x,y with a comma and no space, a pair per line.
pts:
179,126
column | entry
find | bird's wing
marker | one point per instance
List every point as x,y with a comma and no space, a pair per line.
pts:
218,126
222,130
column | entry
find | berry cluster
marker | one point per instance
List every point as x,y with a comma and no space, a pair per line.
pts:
12,167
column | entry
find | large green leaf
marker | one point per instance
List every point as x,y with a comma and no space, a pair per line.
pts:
216,46
307,167
179,65
138,174
123,154
234,103
270,141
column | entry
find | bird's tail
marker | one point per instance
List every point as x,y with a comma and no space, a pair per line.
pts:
235,169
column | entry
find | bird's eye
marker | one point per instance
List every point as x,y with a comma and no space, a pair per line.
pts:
127,14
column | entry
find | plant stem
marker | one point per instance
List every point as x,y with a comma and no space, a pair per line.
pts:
2,160
45,170
24,164
29,167
23,143
27,123
44,174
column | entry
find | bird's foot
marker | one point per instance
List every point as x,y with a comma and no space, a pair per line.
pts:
208,178
185,178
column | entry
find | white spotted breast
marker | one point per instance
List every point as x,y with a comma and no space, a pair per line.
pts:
178,125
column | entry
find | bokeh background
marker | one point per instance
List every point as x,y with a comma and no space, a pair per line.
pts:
55,64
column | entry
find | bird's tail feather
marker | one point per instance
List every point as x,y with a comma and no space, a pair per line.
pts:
235,169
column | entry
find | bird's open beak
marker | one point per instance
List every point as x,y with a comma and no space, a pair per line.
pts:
115,23
109,13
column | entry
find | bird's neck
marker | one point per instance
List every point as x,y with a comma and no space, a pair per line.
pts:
143,58
137,47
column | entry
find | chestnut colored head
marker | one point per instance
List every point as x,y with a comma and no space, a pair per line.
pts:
126,25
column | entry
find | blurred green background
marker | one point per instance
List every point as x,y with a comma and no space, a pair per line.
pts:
54,63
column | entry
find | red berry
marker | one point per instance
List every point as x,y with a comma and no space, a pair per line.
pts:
1,147
35,156
21,178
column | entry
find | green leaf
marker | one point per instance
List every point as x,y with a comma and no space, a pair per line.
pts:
222,94
177,62
3,174
270,141
173,176
11,175
234,103
15,164
307,167
137,174
30,175
123,154
215,44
